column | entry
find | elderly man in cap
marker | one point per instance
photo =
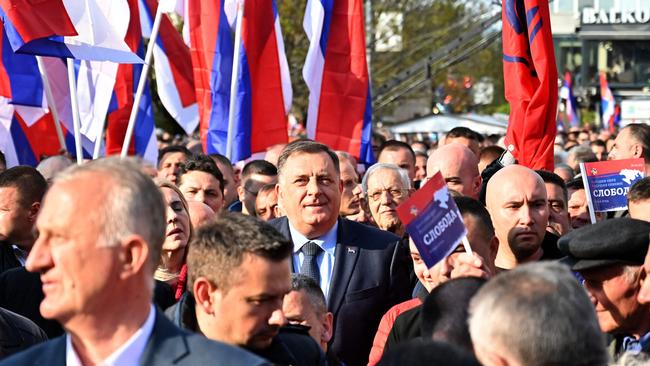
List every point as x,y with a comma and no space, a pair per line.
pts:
609,256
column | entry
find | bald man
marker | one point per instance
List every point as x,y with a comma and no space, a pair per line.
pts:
199,213
458,166
517,202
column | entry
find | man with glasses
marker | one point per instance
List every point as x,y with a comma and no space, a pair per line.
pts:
386,186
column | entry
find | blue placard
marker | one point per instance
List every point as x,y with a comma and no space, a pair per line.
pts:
607,182
433,221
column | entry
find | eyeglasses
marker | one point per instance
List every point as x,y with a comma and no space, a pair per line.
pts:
394,193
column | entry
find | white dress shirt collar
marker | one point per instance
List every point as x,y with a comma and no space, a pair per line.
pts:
128,354
327,242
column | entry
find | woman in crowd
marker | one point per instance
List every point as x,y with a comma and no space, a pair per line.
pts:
172,269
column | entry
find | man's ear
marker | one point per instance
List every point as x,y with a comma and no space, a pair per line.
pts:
203,290
32,212
478,181
494,248
241,193
134,256
328,324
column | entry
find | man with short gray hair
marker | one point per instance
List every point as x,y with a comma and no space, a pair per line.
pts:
386,186
536,314
101,230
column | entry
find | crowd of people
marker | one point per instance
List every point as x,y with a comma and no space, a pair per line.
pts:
302,259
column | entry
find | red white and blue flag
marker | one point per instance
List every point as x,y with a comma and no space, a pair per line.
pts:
336,73
144,143
173,66
530,77
570,103
21,83
65,28
28,131
264,87
607,104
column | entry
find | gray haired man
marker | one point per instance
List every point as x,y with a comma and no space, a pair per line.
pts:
536,314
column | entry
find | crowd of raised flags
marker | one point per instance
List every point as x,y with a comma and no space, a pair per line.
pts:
231,78
195,76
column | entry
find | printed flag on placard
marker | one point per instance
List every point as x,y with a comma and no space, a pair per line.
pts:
336,73
143,143
264,87
607,182
433,221
530,77
173,67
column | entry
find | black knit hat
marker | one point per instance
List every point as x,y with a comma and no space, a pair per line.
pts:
615,241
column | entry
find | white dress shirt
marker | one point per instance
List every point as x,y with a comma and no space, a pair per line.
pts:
128,354
325,259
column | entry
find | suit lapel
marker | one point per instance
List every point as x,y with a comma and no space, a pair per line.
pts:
164,346
283,228
345,259
53,354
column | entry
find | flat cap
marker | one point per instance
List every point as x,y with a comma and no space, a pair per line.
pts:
615,241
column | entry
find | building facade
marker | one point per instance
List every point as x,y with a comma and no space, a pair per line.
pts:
610,36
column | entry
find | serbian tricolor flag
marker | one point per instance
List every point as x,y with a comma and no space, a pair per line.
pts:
570,103
336,73
263,82
26,144
21,83
65,28
530,77
173,66
144,143
607,104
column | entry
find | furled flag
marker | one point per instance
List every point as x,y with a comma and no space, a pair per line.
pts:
264,87
607,104
336,73
173,66
570,103
530,77
144,143
65,28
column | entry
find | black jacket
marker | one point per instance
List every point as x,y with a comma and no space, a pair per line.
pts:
17,333
369,276
168,345
292,346
8,259
22,293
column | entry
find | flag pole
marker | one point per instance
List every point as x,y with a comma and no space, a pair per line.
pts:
50,102
143,79
234,80
98,141
75,110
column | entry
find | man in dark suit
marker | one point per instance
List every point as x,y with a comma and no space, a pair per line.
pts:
101,231
359,268
17,333
21,191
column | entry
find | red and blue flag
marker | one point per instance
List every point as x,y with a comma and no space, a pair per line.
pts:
66,28
173,67
336,73
143,143
608,109
530,77
263,87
